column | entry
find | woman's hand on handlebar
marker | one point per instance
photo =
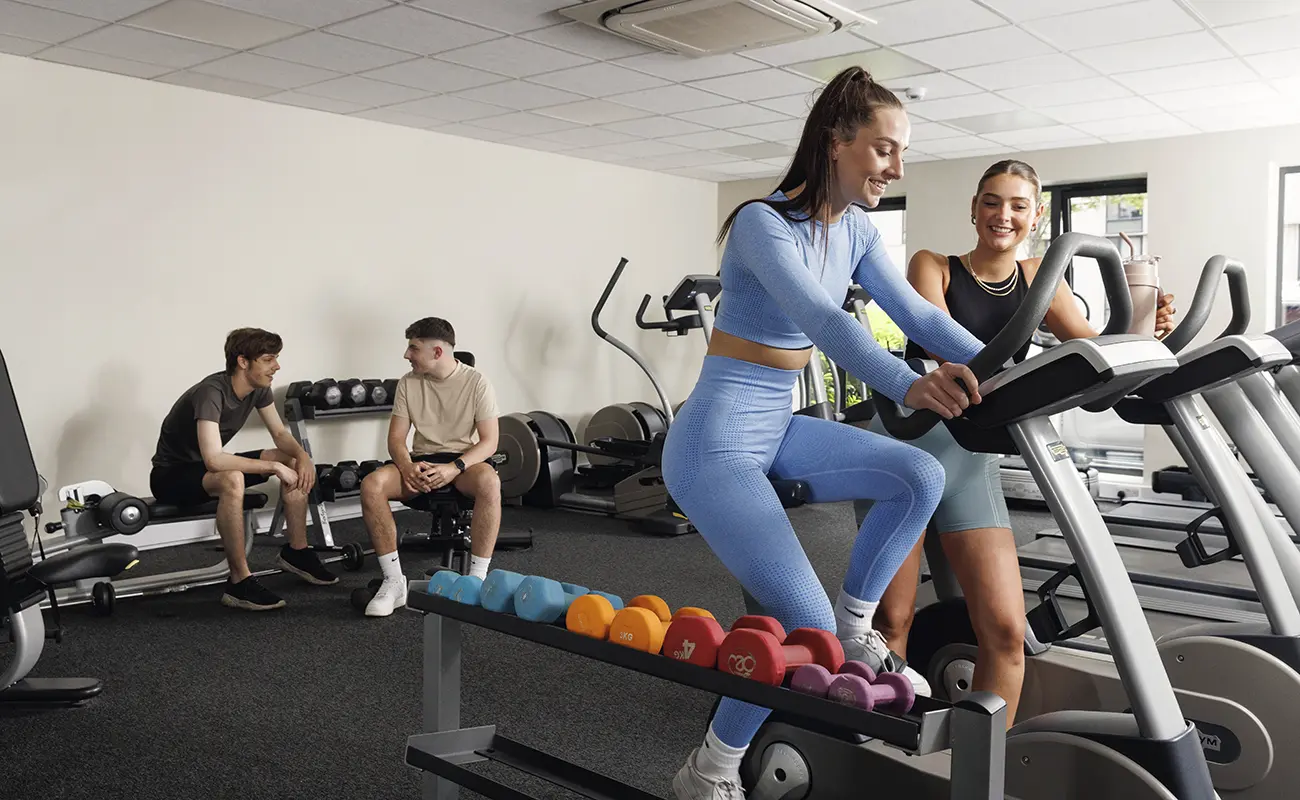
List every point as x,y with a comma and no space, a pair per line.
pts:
940,392
1165,312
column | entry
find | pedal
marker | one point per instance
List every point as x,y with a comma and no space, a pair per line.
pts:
1192,550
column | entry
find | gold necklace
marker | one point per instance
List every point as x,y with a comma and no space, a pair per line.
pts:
1000,291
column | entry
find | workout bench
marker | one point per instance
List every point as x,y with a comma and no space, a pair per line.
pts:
449,529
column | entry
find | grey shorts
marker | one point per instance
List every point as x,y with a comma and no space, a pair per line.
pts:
972,489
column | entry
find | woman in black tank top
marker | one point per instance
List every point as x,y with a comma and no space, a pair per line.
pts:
982,289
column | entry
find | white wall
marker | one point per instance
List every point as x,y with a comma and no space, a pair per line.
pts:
1207,194
140,222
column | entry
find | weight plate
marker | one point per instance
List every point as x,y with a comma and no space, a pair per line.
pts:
653,420
619,421
549,426
517,442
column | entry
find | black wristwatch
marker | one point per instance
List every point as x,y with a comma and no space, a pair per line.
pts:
460,464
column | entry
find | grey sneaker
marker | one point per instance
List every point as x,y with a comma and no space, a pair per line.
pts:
690,784
871,649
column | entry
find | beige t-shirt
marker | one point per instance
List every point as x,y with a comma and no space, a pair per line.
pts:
444,412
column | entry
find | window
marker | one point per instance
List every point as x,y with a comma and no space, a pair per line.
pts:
1288,247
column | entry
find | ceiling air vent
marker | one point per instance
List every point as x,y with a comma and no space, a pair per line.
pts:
710,27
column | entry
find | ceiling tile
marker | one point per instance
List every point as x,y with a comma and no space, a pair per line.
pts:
1026,72
758,85
937,85
642,149
1257,115
1022,10
517,58
448,108
412,30
106,10
748,169
1228,12
1148,123
586,137
507,16
312,13
884,65
151,48
764,150
1264,36
1166,51
669,99
1278,64
1187,76
927,131
523,123
836,44
316,103
986,150
797,105
956,144
1005,121
1106,109
1079,140
20,47
712,140
599,80
702,173
973,49
433,75
694,158
1127,23
655,127
1083,91
211,83
1051,133
364,91
592,112
251,68
964,106
580,38
919,158
475,132
519,95
42,24
98,61
1226,98
732,116
204,22
788,131
328,51
916,20
397,118
680,68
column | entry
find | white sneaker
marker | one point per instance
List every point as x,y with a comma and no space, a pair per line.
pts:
872,649
690,784
391,596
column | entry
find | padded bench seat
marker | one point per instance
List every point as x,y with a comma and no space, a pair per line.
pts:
430,501
161,512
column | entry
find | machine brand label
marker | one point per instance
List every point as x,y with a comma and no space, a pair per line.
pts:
1058,451
1204,423
1221,746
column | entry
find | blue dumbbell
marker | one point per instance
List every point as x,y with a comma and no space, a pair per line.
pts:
545,600
467,589
442,581
498,592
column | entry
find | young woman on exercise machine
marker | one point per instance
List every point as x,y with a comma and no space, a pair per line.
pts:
789,260
981,290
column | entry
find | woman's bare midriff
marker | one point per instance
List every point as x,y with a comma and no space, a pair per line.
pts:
724,344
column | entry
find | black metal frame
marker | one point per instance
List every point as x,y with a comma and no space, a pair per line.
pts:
1062,193
1279,317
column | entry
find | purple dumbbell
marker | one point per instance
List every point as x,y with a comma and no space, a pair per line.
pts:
892,691
814,679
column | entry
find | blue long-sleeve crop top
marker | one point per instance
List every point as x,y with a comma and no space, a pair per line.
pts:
778,290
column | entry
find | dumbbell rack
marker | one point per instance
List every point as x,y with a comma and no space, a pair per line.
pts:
297,416
974,732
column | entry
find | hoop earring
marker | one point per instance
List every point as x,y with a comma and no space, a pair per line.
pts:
972,219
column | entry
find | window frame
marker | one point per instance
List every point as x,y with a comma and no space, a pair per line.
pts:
1063,194
1279,308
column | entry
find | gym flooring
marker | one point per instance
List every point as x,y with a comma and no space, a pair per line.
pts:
316,701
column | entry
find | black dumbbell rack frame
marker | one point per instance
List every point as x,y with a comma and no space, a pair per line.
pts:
973,732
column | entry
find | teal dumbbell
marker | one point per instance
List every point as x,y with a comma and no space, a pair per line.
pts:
442,581
545,600
467,589
498,592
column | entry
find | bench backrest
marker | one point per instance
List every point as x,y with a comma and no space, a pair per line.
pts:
20,485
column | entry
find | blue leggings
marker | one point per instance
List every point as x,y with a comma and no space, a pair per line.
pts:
735,431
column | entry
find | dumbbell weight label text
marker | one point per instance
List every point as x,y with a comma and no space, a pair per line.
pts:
742,664
688,649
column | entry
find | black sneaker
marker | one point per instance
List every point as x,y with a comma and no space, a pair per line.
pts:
306,565
250,595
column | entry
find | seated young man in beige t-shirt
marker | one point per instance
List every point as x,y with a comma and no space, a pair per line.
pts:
454,411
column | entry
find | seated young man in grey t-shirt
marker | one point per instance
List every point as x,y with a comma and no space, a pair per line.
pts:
190,466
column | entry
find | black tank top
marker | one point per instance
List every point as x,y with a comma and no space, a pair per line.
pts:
976,310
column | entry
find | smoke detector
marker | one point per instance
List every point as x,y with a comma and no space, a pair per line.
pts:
699,28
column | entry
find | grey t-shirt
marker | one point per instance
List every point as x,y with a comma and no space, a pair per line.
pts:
212,398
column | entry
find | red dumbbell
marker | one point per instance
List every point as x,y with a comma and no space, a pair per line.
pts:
814,679
694,640
758,648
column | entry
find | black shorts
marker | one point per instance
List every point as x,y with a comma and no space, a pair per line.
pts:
182,484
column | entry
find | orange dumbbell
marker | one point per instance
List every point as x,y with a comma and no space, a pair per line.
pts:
643,624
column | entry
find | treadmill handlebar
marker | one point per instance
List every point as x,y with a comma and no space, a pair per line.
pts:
1028,317
1198,312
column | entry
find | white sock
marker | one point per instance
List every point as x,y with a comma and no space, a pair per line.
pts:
392,567
853,616
478,566
717,759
